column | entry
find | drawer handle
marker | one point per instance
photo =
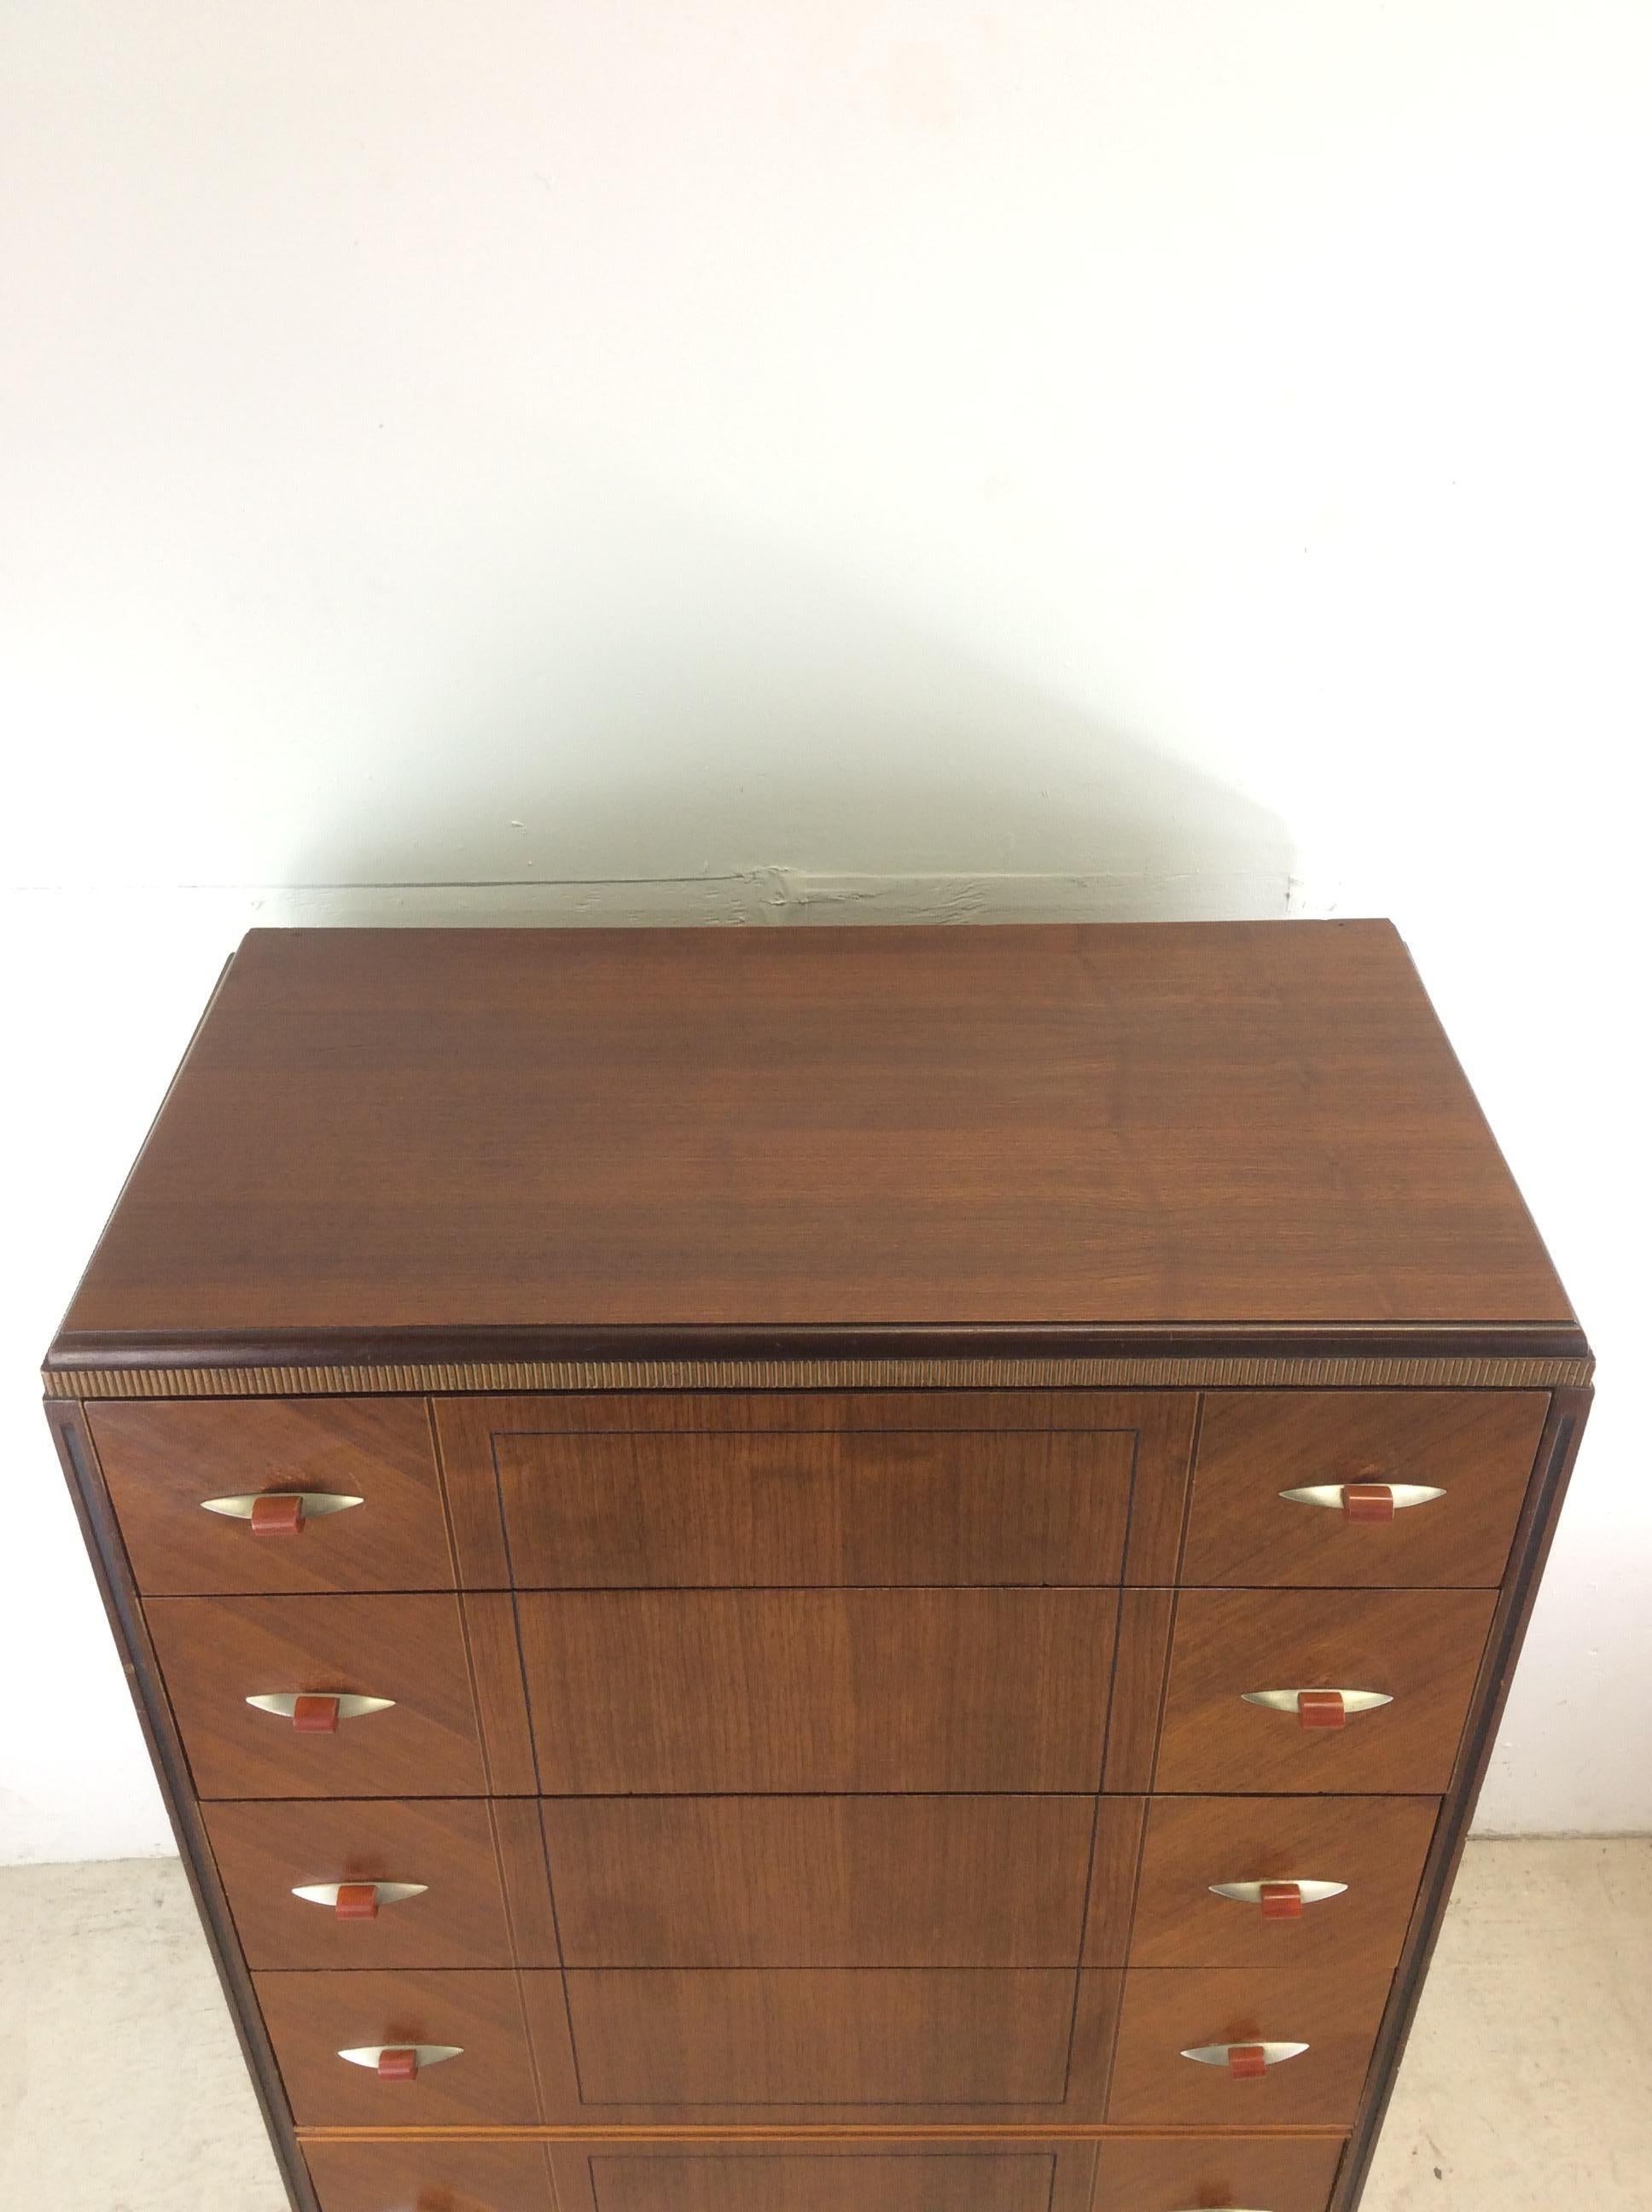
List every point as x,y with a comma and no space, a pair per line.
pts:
1319,1709
1365,1501
401,2062
280,1512
318,1712
1245,2061
359,1900
1280,1901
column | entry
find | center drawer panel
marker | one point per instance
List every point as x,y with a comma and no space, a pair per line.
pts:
828,1882
711,1691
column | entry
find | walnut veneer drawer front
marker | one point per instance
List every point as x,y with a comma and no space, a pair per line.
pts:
406,1655
1279,1882
1376,1487
431,2177
433,1881
792,1491
1418,1649
835,1882
310,1494
1271,2047
707,1691
454,2046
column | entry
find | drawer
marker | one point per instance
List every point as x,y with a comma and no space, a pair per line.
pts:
215,1653
1335,2015
816,1503
479,2017
1374,1847
162,1461
828,1881
1174,2173
452,1850
1420,1649
430,2177
823,2047
951,2175
775,1691
1475,1447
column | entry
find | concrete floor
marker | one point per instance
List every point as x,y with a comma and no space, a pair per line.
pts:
1528,2082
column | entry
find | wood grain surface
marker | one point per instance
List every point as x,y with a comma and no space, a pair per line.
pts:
1477,1446
160,1460
714,1691
1421,1647
389,1130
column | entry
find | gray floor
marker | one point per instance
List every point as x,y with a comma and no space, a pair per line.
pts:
1526,2082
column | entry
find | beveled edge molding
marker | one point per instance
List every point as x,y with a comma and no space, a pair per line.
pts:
1120,1371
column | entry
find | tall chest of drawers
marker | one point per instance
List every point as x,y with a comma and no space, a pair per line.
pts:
820,1570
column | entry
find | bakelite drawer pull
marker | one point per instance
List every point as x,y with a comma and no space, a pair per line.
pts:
1245,2061
318,1712
359,1900
1365,1501
401,2062
1280,1901
280,1512
1319,1709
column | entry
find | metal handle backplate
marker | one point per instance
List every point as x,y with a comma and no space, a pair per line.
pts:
359,1900
318,1712
280,1512
401,2061
1244,2059
1364,1501
1256,1893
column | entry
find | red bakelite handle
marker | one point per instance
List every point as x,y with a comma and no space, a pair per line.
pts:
278,1517
398,2065
1281,1900
316,1715
1247,2061
1368,1501
1320,1709
358,1901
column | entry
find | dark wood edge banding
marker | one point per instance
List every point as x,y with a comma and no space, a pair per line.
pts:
118,1591
1557,1453
1331,1370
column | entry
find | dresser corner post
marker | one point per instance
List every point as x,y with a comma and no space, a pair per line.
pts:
66,1418
1557,1455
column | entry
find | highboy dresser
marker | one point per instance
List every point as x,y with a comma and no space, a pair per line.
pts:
821,1571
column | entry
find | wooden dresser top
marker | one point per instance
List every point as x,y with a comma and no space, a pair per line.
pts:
388,1143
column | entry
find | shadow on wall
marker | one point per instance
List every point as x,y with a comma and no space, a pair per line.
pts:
690,726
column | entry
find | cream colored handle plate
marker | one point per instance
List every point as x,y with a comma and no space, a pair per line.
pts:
1285,1701
1250,1892
1217,2054
427,2054
316,1504
1329,1495
389,1893
350,1707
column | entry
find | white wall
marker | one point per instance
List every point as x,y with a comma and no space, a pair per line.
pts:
723,461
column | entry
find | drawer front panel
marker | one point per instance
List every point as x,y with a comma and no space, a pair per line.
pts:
1176,2173
313,2017
430,2177
812,2041
1374,1846
1420,1647
814,1509
824,1881
216,1653
1337,2016
1476,1447
161,1461
932,2178
266,1849
704,1692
